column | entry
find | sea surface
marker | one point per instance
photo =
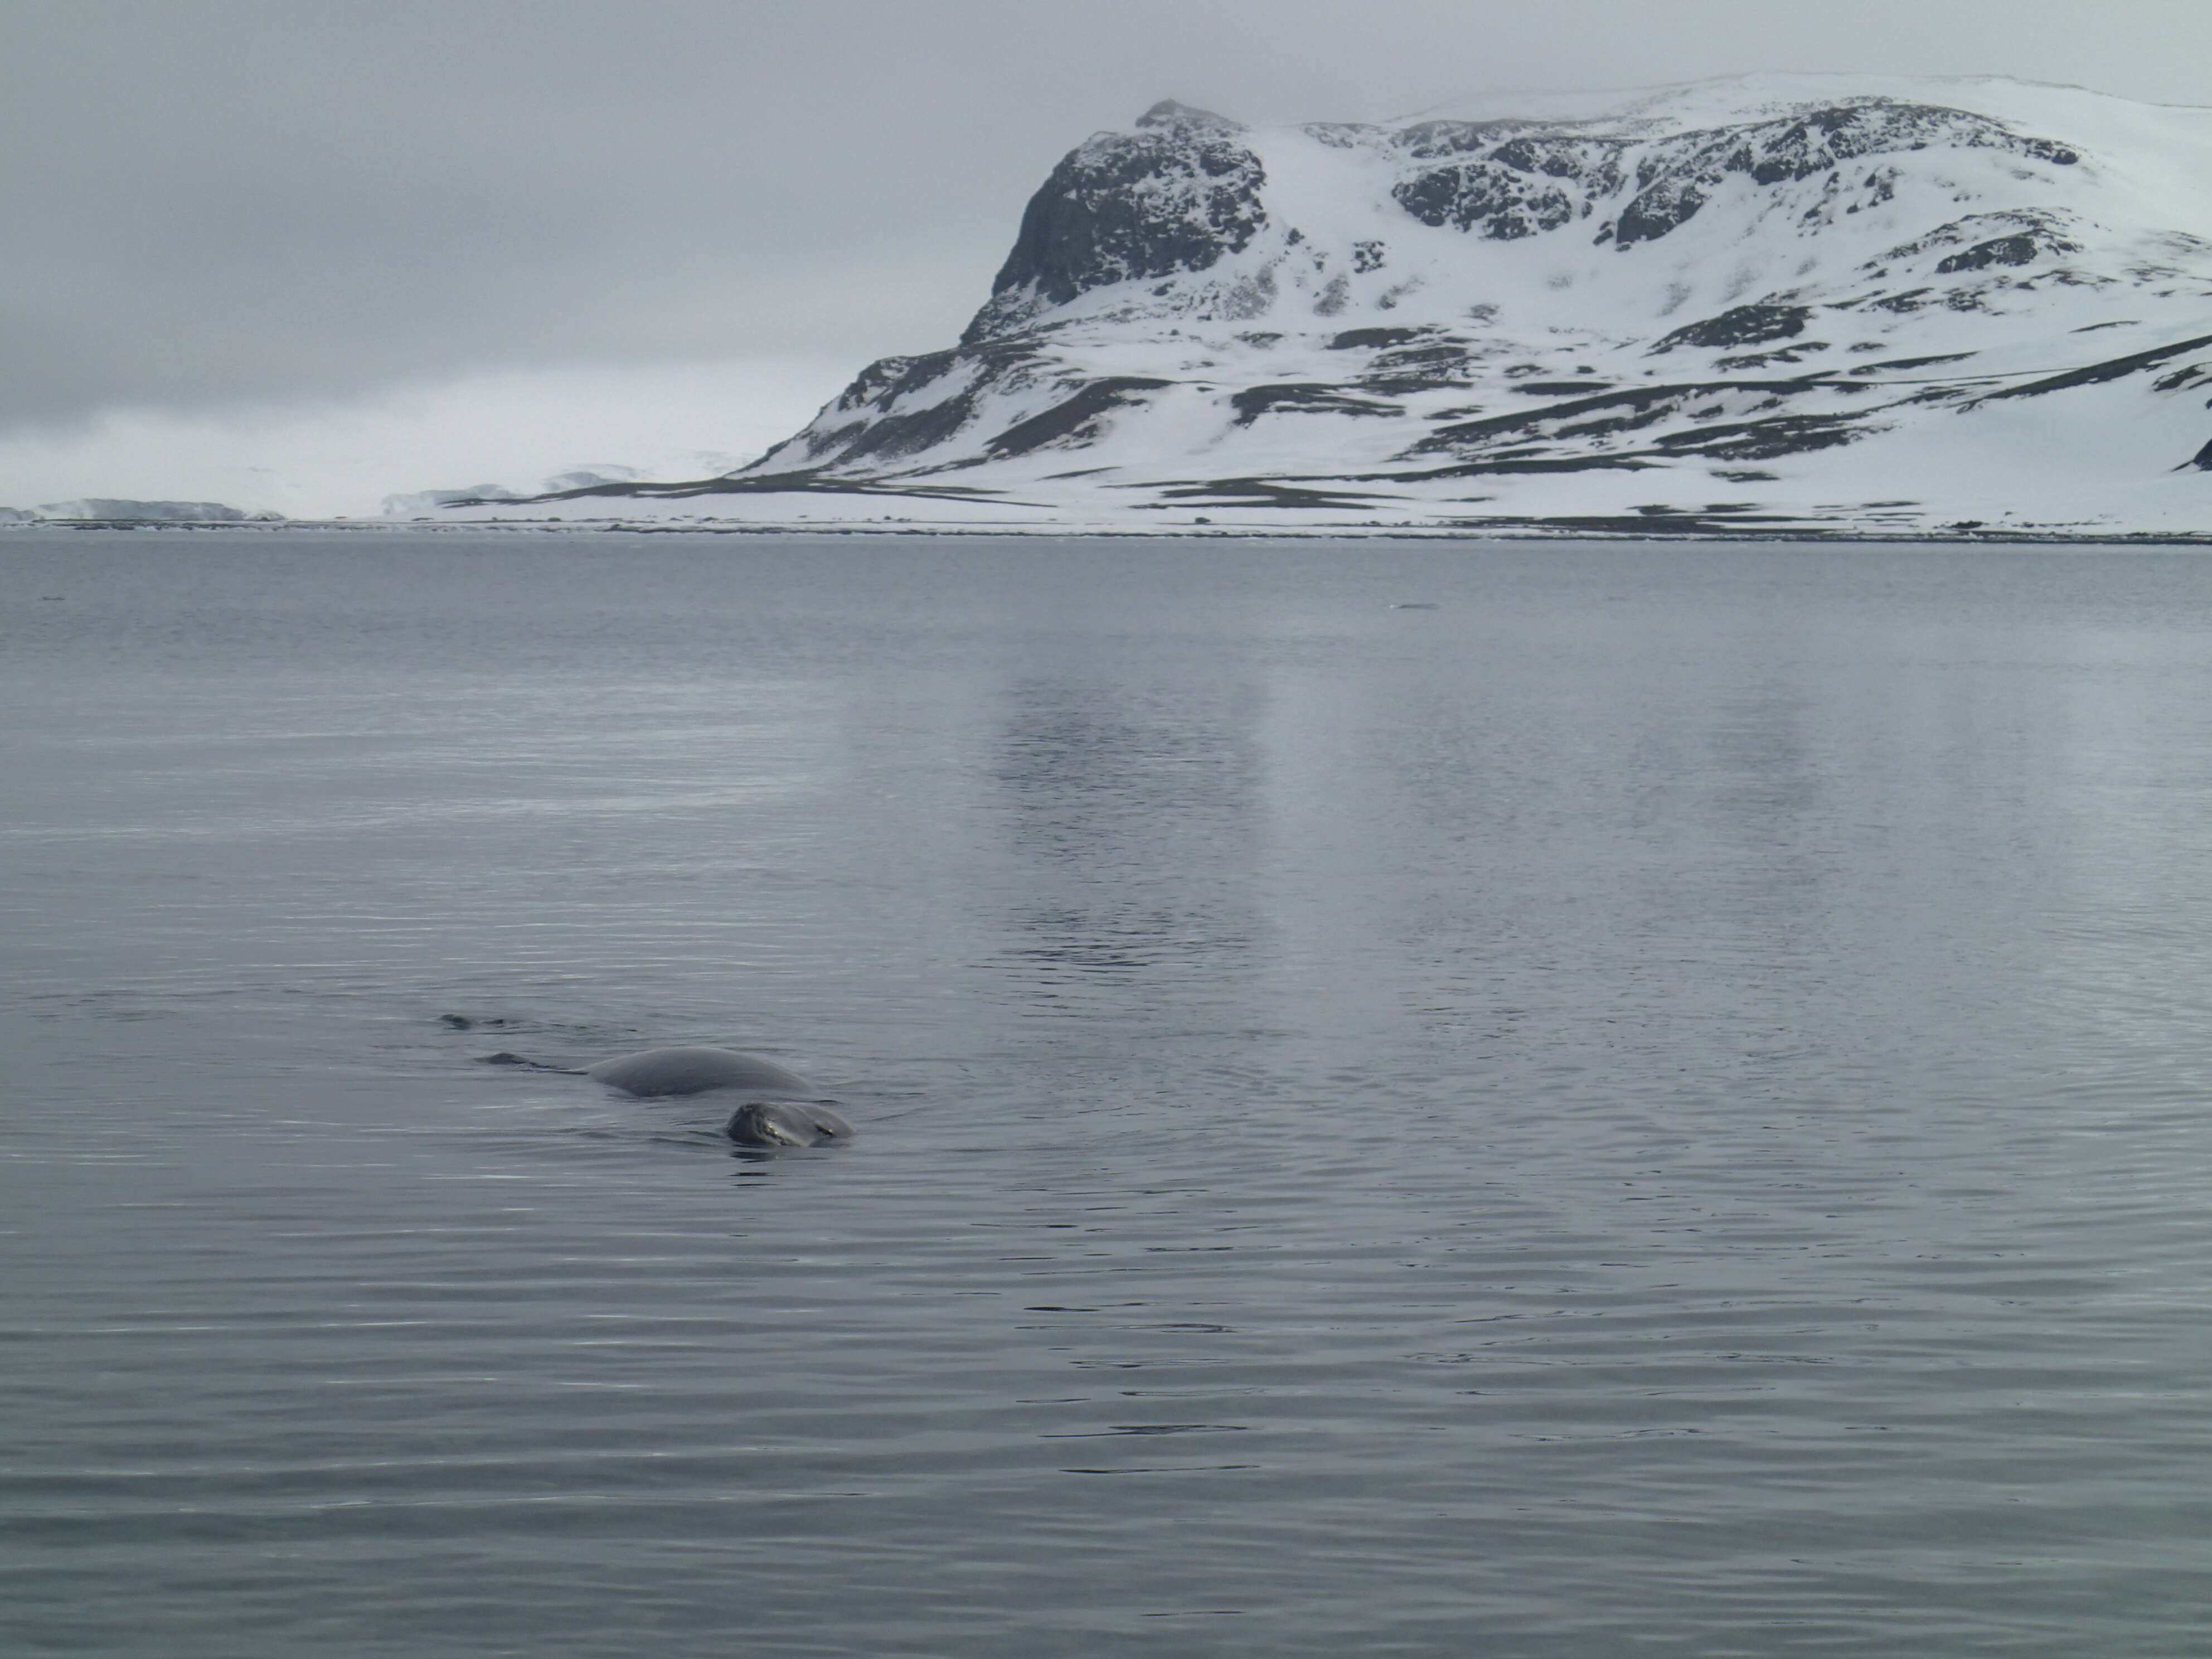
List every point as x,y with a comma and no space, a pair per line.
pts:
1545,1101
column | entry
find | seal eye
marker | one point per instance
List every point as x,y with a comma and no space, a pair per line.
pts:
785,1123
759,1123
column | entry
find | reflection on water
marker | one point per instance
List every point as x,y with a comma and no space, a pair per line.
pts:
1653,1102
1139,813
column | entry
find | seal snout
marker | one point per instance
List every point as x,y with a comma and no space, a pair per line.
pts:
788,1124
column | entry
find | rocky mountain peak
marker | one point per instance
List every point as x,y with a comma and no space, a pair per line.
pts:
1174,196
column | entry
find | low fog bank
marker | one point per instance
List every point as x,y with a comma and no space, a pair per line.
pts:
517,431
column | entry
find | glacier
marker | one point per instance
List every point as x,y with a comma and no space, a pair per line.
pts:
1770,304
104,510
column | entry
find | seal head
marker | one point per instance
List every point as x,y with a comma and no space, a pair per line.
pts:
788,1124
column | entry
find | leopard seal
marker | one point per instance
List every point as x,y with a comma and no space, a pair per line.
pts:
786,1119
789,1116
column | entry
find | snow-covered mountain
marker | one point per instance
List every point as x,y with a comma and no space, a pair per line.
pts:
1768,303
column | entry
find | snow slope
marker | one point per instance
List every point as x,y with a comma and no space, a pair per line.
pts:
1773,303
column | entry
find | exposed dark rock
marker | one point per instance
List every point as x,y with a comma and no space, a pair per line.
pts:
1509,463
1744,325
887,379
1793,354
879,427
1420,357
2095,373
909,432
2202,460
1174,196
1307,397
1416,369
1078,420
803,481
2020,250
1593,162
1677,176
1749,525
1763,440
1613,425
819,441
1355,338
1429,139
1913,363
1980,241
1398,385
1625,410
1264,492
1528,184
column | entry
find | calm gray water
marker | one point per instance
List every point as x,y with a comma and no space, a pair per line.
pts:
1661,1105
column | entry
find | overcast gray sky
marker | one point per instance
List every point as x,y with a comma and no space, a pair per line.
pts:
217,208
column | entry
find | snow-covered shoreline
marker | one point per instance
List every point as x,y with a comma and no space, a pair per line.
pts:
1641,531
